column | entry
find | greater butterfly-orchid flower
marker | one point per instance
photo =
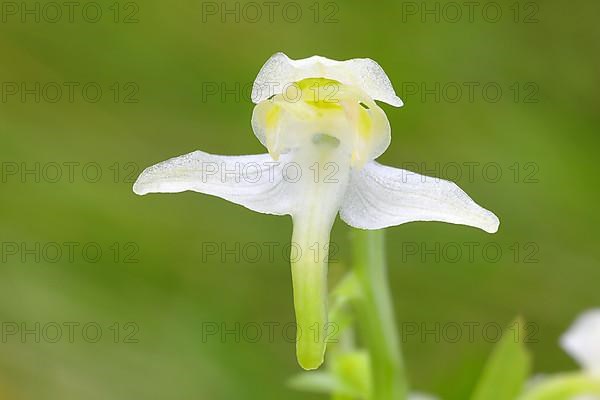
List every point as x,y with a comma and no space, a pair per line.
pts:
320,123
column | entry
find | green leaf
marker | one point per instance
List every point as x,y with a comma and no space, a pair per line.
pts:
347,289
564,387
350,377
340,312
341,315
354,370
321,382
507,368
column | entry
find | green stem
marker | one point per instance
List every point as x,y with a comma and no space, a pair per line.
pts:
377,316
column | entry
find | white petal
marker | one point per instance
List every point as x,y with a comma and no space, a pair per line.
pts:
582,341
253,181
380,196
280,71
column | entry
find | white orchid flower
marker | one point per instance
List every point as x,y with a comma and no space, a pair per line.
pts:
582,341
323,130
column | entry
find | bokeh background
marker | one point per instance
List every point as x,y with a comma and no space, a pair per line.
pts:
155,286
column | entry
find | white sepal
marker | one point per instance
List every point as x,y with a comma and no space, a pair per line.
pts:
253,181
380,196
280,71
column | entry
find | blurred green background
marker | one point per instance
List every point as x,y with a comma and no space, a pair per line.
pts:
163,62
